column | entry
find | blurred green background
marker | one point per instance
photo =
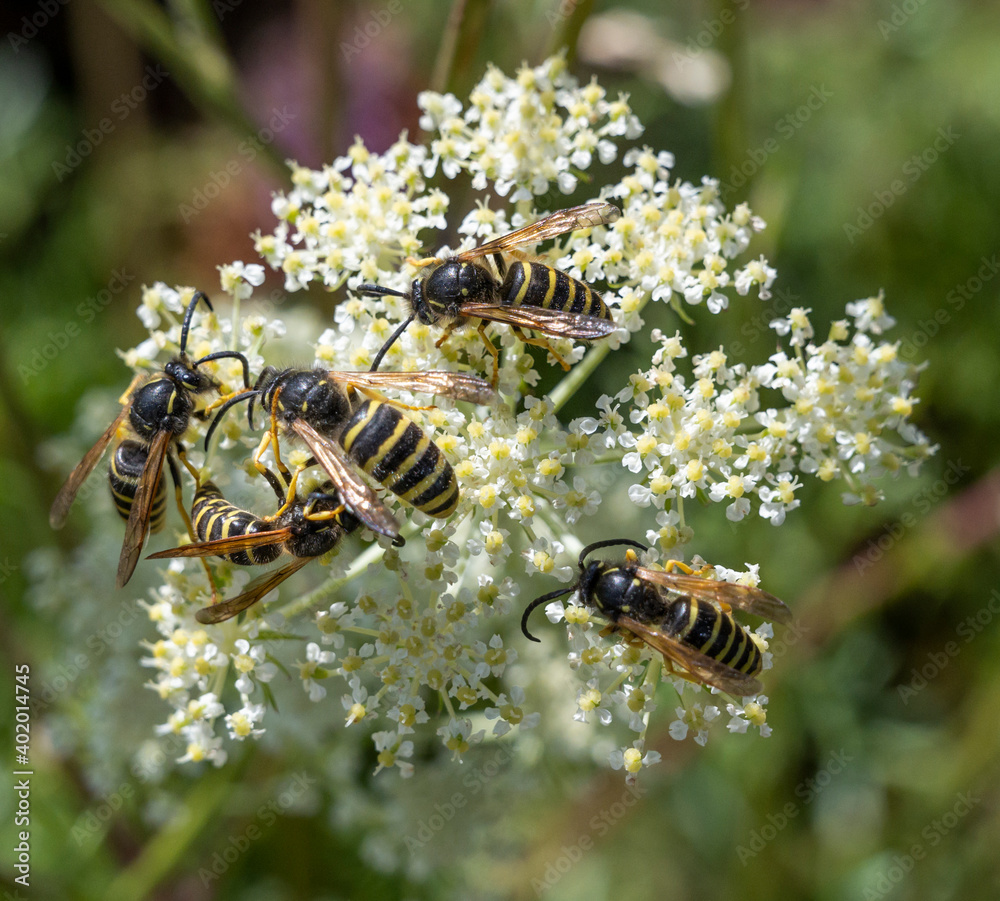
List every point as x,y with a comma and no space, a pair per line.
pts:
866,134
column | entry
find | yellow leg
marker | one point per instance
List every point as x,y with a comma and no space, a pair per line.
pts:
218,402
265,442
382,399
424,261
179,496
271,439
324,515
671,565
491,347
182,454
541,342
290,494
445,335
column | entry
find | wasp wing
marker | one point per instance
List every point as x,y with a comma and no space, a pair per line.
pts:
221,547
458,385
705,669
256,590
588,215
138,519
741,597
557,323
357,495
64,499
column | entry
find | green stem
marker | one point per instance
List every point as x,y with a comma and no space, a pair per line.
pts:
566,32
459,43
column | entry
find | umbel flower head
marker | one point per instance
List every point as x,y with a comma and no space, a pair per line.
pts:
417,644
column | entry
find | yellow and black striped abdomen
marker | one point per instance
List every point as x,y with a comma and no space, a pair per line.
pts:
705,628
395,451
126,468
537,285
214,517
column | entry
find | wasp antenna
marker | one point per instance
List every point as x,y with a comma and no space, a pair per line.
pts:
233,355
379,291
544,599
392,339
611,542
243,395
189,314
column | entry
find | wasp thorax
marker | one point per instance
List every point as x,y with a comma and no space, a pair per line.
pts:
604,588
451,284
159,406
310,395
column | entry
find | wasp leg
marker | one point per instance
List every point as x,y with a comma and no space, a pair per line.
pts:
182,453
424,262
271,438
677,673
310,514
289,494
491,347
445,336
671,565
215,404
541,342
381,398
179,495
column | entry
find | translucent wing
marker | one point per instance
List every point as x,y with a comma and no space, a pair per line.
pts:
64,499
705,669
357,495
557,323
221,547
459,385
587,216
256,590
741,597
142,505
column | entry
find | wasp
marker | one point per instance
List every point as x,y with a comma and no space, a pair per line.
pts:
347,432
155,414
686,617
302,528
526,295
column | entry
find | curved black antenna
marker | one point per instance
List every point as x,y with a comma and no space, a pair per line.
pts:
189,314
609,543
392,340
230,354
544,599
243,395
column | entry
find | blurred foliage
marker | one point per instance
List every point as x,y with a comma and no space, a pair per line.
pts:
859,792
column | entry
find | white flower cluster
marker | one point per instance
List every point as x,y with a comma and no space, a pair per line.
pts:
402,632
519,135
845,415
